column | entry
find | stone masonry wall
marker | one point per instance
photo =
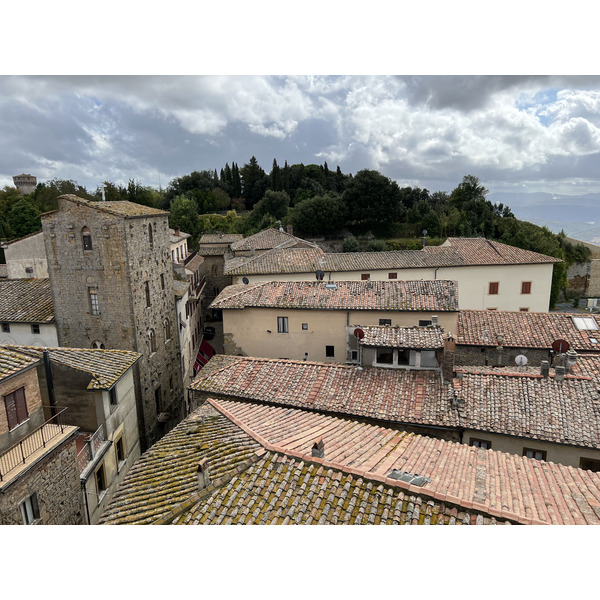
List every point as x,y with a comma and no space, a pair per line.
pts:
476,356
122,261
56,482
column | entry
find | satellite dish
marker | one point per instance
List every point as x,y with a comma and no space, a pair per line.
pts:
560,346
521,360
359,334
245,280
320,275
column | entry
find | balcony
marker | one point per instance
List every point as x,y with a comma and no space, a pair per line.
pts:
89,445
196,292
34,446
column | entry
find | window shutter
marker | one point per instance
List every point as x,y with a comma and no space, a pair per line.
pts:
11,411
21,405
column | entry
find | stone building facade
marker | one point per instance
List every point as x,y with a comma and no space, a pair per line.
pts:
110,270
25,183
55,485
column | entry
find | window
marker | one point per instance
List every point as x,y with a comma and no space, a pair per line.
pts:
167,326
162,281
304,326
177,250
16,408
585,323
157,398
35,328
385,356
112,393
392,275
214,270
86,237
329,351
98,345
354,355
171,383
282,325
533,453
100,483
493,287
30,510
147,286
120,451
5,328
152,341
424,322
385,321
480,443
28,272
94,306
490,308
524,309
365,277
589,464
526,287
150,236
215,291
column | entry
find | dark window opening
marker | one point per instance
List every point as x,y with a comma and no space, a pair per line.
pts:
16,408
113,396
385,356
157,399
5,328
403,357
86,236
120,450
392,275
533,453
424,323
365,276
385,321
480,443
329,351
589,464
30,510
35,328
147,285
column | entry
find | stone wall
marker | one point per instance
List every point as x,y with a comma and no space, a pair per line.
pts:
27,253
480,356
133,278
55,480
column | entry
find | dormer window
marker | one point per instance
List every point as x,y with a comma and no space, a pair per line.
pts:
86,236
585,323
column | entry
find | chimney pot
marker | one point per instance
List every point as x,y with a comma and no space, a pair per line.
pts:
559,373
318,449
203,474
545,368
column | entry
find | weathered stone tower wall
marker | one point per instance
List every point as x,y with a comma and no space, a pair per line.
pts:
112,285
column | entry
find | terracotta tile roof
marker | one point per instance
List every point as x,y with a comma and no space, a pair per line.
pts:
212,251
279,260
462,252
479,251
497,483
165,475
267,239
180,288
194,263
506,402
407,396
528,405
250,484
12,362
105,366
26,301
220,238
403,337
347,295
122,208
524,329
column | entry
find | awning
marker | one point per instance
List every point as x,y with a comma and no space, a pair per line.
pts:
205,353
207,349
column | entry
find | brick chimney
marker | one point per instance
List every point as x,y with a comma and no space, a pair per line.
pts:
318,449
448,358
545,368
571,360
177,231
203,474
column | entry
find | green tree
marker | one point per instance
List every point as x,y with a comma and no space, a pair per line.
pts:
374,202
23,218
319,215
350,244
184,214
274,204
254,182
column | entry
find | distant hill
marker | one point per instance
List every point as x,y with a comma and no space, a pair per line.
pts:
579,216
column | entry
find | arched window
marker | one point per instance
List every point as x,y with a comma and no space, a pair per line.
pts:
150,235
98,344
215,270
152,341
86,236
167,326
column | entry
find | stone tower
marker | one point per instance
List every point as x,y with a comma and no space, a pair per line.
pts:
110,272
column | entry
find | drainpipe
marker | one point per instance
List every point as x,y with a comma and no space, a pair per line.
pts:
435,273
87,508
49,381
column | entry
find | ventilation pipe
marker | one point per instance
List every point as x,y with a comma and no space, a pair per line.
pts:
203,474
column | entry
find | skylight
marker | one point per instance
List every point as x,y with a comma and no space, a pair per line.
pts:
585,323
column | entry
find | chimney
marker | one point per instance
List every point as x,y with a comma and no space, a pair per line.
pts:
290,230
434,320
571,360
559,373
177,231
203,474
499,356
448,358
545,368
318,449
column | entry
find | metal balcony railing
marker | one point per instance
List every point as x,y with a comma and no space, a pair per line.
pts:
89,451
18,453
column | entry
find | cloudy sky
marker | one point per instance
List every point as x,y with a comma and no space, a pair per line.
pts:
516,133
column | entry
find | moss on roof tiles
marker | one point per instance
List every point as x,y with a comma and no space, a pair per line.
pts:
13,362
121,208
26,301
